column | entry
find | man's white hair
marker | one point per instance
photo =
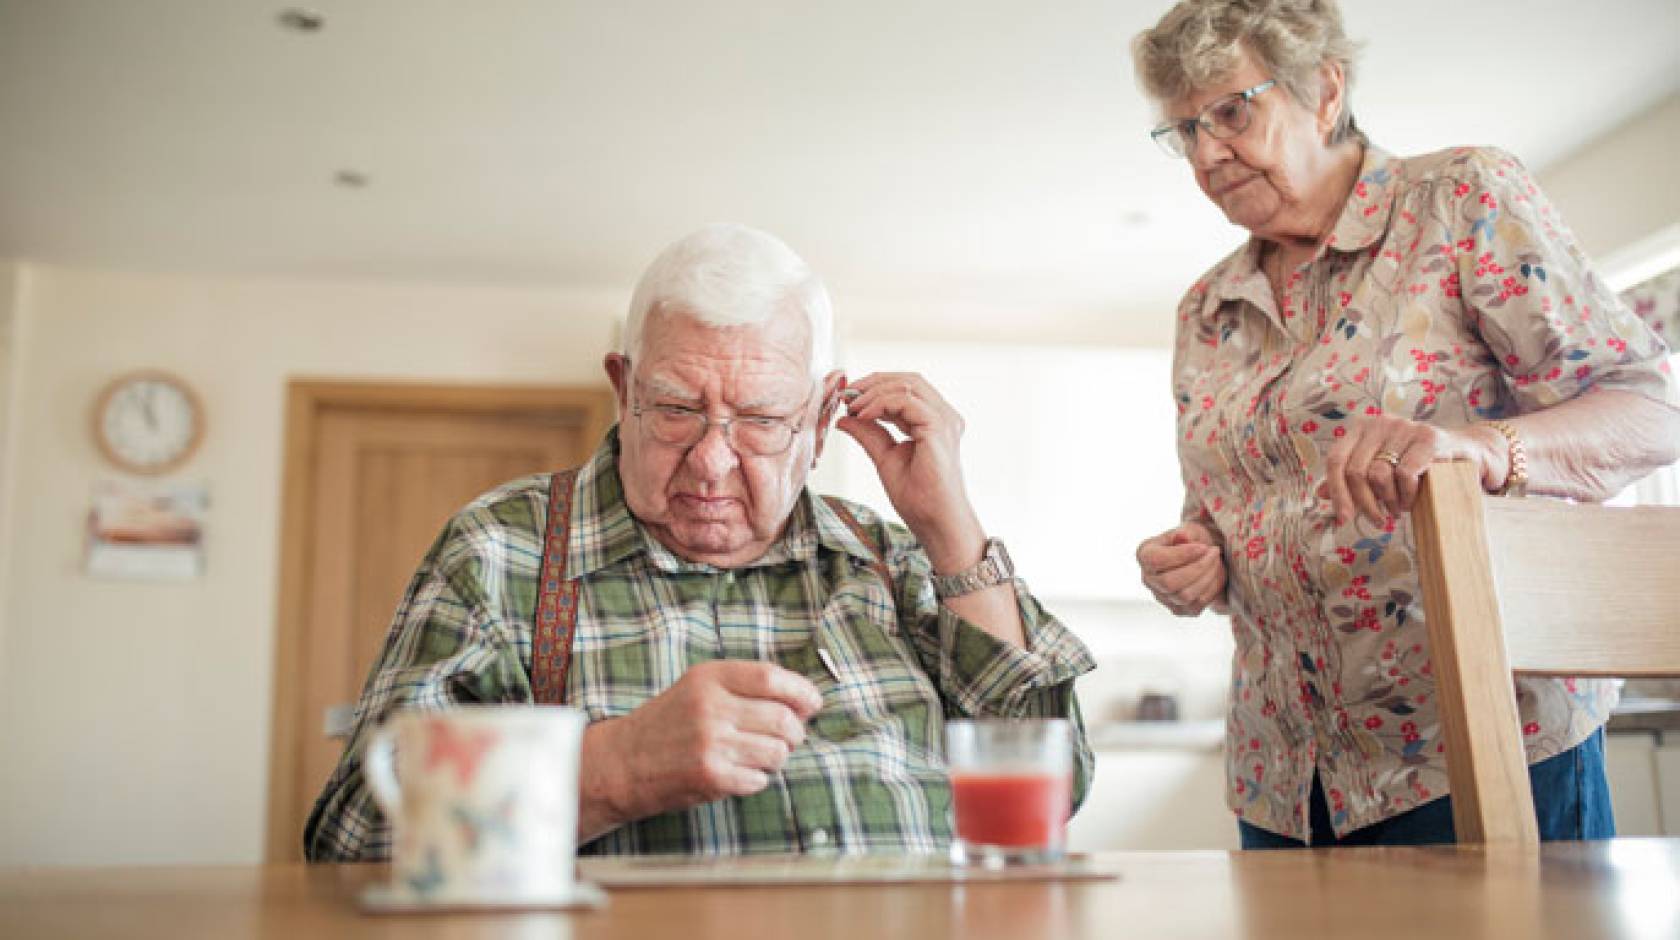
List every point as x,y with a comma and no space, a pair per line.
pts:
732,275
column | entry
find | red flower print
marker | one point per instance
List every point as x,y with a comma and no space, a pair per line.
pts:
1339,432
1307,427
1374,722
1462,189
1256,547
1532,727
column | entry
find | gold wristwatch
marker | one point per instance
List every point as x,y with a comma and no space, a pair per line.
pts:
1516,468
993,568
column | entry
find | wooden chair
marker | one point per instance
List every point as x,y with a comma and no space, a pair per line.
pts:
1533,586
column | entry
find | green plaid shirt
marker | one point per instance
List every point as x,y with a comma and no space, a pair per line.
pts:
870,776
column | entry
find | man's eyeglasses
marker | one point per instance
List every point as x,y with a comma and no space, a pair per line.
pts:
1223,118
758,435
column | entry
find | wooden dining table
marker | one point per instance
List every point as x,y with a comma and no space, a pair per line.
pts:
1625,888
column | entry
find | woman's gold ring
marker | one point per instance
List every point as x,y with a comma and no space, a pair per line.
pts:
1392,458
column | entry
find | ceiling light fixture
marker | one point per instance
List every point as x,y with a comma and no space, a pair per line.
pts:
301,21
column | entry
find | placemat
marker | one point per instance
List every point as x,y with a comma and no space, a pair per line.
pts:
663,871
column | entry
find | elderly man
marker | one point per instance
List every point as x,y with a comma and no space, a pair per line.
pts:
763,670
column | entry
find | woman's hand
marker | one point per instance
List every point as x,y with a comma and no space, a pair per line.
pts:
1375,470
1185,569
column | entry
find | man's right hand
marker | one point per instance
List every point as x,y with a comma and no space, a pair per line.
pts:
1184,568
722,730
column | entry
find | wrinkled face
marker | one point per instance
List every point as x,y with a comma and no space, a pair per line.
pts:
1259,177
710,502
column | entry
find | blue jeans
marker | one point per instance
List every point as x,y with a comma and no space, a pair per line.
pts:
1571,800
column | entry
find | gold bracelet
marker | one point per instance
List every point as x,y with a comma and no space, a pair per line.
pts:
1516,471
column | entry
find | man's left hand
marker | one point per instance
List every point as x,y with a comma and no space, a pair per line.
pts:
922,474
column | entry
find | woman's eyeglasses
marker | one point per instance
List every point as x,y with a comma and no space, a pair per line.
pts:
1223,118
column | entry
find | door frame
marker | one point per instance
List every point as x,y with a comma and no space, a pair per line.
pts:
306,401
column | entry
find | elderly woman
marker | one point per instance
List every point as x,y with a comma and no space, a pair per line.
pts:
1385,313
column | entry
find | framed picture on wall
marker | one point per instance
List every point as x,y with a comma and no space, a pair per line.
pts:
147,531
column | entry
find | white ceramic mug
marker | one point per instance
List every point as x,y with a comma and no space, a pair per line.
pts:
483,802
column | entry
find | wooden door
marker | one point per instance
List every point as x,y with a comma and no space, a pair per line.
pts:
373,472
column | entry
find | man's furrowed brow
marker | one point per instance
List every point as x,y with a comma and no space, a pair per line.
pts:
667,389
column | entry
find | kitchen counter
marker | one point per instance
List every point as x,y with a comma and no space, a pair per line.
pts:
1203,736
1641,714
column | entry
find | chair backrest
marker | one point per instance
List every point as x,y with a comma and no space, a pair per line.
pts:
1534,586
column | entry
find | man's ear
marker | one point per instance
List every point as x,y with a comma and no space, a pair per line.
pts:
1332,97
829,397
618,373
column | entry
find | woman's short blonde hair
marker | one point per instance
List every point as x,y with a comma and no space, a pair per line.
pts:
1200,42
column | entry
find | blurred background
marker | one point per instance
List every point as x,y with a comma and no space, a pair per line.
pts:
423,210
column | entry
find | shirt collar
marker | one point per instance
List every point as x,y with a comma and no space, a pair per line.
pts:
604,533
1363,220
1365,215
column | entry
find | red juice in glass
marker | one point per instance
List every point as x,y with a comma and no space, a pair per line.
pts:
1011,789
1019,810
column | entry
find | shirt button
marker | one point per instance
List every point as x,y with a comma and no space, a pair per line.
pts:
819,837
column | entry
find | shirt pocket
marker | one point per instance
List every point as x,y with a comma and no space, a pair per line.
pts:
873,686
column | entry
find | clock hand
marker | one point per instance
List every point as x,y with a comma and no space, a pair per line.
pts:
146,407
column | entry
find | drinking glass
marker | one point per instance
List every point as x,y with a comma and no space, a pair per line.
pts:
1012,785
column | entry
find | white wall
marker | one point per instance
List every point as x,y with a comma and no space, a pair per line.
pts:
11,293
1624,185
134,717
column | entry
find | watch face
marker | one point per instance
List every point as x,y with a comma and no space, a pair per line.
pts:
148,423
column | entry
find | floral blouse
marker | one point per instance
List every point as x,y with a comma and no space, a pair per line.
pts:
1449,292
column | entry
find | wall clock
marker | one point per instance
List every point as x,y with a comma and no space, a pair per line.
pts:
148,422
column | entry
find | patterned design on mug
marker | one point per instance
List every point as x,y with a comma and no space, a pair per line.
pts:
428,880
496,822
464,749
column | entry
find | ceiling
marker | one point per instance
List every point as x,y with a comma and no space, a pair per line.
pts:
980,154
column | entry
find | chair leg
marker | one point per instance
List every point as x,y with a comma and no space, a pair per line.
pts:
1487,766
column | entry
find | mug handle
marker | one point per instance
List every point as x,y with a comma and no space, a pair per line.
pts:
377,768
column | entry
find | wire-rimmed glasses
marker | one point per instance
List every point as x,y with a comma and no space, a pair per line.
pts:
758,435
1223,118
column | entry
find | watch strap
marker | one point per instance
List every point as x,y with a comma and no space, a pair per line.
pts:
993,568
1516,465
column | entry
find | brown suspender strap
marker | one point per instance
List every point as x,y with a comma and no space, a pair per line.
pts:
556,615
879,565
